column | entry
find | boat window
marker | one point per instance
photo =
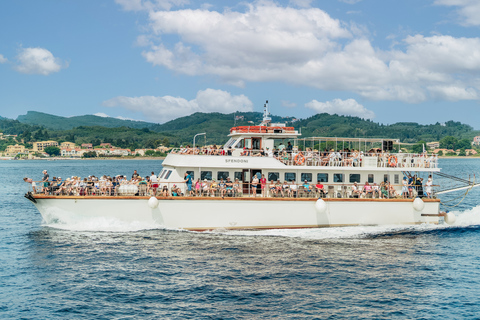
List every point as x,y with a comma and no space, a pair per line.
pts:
192,174
322,177
162,173
239,176
206,175
290,176
370,178
396,179
354,177
338,177
169,172
306,176
240,144
386,178
273,176
223,175
256,143
248,143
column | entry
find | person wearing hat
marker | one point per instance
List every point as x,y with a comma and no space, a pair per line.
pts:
429,187
205,187
45,178
405,188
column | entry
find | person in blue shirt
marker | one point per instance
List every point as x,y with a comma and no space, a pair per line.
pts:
188,181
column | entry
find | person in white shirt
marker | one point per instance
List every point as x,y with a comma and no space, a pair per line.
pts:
154,181
293,189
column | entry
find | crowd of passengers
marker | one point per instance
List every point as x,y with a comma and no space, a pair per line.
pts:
340,157
412,186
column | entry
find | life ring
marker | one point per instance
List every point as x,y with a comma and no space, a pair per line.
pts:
299,159
392,161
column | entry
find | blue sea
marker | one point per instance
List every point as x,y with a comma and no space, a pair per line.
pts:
108,270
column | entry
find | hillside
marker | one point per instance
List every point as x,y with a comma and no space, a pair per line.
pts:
53,122
216,126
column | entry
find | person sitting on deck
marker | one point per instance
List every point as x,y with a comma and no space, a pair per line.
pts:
355,190
222,188
306,187
237,189
205,187
176,191
391,190
278,188
165,191
213,188
375,190
320,189
293,189
383,190
271,187
285,189
229,187
367,190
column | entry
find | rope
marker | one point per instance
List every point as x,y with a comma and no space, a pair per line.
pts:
463,197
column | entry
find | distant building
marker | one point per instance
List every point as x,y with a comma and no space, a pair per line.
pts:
476,141
108,145
444,151
71,152
39,146
87,146
470,152
67,144
242,118
433,145
14,150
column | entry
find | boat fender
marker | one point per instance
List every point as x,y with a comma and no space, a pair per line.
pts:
320,206
450,218
418,204
153,202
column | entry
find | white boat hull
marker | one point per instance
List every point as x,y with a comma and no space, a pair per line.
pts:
240,213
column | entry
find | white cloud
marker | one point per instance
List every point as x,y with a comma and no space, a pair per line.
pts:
162,109
3,59
301,3
101,114
348,107
37,61
468,10
306,47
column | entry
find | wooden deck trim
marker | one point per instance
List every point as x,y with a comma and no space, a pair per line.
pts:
40,196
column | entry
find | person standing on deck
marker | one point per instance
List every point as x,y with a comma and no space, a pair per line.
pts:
154,181
188,181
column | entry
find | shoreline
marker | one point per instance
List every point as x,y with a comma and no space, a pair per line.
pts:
163,158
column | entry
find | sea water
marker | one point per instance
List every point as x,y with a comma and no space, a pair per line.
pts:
105,269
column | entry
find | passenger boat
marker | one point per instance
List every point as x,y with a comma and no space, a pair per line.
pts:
346,164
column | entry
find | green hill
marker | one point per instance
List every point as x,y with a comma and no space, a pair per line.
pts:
53,122
123,133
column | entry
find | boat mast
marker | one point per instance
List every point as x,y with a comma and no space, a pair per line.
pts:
266,115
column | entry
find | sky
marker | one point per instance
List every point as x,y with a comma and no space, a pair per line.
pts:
157,60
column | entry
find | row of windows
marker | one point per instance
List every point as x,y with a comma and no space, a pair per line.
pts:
292,176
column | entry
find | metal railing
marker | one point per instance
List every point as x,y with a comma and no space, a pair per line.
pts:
331,159
237,189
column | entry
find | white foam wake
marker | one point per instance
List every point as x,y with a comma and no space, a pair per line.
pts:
102,224
468,218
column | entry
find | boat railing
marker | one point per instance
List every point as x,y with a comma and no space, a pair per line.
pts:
211,188
331,159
